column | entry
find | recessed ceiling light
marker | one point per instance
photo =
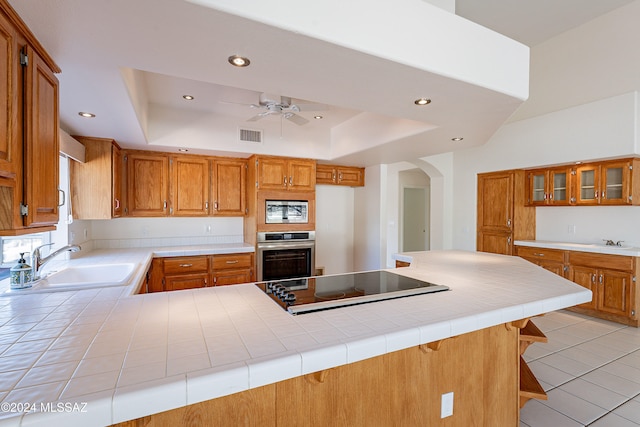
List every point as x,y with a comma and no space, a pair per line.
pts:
317,117
86,115
239,61
422,101
188,97
182,150
457,139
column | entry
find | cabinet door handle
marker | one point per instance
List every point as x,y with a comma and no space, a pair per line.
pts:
215,205
509,222
290,180
284,181
235,261
205,282
164,205
64,197
186,265
593,278
538,254
206,206
117,203
333,177
601,279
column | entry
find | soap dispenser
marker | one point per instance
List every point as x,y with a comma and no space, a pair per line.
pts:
21,274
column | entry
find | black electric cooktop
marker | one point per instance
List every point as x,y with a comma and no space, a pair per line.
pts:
306,295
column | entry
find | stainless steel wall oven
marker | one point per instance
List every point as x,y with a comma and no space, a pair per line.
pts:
286,255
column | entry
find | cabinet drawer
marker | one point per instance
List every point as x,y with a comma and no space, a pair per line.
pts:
611,262
541,253
234,261
179,265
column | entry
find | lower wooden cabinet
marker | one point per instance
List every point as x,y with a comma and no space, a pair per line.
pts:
549,259
611,279
190,272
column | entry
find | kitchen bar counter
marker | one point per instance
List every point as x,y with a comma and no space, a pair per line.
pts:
111,356
582,247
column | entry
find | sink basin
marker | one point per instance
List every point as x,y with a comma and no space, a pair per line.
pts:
87,276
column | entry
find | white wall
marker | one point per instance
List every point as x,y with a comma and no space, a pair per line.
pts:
335,228
370,233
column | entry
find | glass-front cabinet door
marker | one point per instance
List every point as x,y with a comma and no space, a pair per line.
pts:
615,182
537,187
559,186
587,185
607,183
549,186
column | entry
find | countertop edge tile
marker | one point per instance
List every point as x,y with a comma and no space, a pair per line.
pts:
216,382
147,398
271,369
323,357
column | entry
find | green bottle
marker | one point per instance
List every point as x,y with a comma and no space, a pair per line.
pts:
21,274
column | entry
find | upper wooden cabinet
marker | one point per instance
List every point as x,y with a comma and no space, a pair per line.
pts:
229,181
29,123
611,182
279,173
549,186
340,175
189,185
502,215
147,184
102,169
159,184
608,183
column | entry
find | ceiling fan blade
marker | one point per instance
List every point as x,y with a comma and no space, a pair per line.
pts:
255,118
299,120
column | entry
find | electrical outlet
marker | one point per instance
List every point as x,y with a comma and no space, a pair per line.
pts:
446,407
207,229
571,229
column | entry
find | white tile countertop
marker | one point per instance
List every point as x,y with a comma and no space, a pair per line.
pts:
102,356
582,247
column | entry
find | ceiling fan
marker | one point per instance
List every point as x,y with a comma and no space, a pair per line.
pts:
274,105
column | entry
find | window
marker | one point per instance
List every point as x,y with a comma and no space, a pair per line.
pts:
13,246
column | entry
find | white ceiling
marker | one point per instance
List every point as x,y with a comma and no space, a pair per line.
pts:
130,62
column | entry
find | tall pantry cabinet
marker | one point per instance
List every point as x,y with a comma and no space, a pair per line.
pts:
28,130
502,214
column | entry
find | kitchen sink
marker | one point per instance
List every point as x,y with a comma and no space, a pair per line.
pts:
83,277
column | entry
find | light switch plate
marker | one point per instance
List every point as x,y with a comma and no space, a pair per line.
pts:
446,407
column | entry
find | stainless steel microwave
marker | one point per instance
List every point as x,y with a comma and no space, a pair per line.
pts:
287,212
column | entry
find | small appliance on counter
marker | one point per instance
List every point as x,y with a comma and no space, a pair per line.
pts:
21,274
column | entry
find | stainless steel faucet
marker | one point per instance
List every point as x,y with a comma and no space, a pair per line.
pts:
38,261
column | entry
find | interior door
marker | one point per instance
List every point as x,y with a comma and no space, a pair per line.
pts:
415,236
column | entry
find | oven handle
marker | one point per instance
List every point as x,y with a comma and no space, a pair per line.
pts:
287,245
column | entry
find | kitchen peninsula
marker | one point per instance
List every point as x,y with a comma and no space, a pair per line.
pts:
231,352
